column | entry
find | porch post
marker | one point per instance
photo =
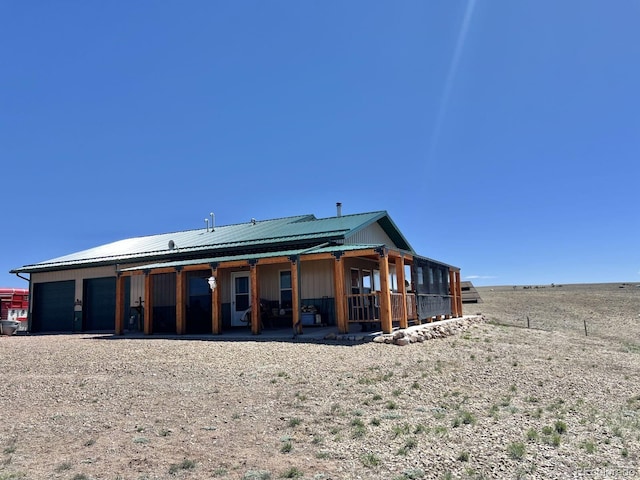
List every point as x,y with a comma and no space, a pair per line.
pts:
120,304
180,303
459,293
453,292
339,293
216,314
148,303
402,289
295,294
255,299
385,293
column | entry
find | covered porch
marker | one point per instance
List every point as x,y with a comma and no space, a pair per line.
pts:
352,286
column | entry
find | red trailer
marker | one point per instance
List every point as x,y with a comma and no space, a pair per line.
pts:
14,305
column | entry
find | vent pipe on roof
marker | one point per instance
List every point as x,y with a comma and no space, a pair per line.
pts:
213,221
339,209
206,222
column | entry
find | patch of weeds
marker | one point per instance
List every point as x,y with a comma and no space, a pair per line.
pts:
409,444
257,475
438,366
420,428
516,450
463,456
323,455
588,446
186,464
301,397
441,430
396,392
505,401
282,374
513,388
89,442
286,447
376,397
12,476
294,422
292,472
80,476
399,430
532,435
493,411
463,418
359,430
336,409
235,416
416,386
10,449
164,432
219,472
375,421
141,440
391,405
317,439
624,452
560,427
411,474
370,460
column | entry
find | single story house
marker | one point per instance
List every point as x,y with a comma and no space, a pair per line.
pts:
284,272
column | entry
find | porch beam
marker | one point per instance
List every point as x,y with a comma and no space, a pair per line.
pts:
295,296
459,293
180,302
255,300
148,304
385,294
339,294
402,289
453,293
120,300
216,311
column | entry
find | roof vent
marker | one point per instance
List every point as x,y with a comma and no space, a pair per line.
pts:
339,209
253,221
172,244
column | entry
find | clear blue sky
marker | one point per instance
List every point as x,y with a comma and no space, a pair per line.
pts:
502,137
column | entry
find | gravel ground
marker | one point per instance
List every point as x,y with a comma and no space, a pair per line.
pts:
497,401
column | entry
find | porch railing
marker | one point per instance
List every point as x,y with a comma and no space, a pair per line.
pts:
365,307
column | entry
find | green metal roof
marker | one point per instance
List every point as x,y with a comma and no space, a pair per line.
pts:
283,234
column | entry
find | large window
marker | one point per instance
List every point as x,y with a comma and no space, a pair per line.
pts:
286,295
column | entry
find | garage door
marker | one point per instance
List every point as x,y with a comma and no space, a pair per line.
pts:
53,306
99,304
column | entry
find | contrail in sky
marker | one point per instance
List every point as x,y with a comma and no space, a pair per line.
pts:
453,67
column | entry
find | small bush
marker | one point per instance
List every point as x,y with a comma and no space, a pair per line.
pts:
463,457
286,447
370,460
560,427
293,472
516,450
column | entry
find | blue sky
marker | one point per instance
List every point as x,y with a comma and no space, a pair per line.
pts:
502,137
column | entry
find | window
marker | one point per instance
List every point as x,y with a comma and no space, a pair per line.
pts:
367,281
286,295
420,276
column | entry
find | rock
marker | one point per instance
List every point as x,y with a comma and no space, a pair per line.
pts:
402,341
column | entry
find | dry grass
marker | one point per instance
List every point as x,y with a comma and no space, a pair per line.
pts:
499,401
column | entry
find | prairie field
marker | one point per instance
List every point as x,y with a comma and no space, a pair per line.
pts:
548,386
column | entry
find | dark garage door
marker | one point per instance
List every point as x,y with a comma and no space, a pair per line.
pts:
53,306
99,304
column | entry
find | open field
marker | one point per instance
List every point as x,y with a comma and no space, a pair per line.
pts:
499,401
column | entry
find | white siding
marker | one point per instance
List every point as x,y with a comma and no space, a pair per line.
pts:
373,234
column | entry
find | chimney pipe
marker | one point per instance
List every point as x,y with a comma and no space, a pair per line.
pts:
339,209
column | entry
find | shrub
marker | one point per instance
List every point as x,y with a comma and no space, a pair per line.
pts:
516,450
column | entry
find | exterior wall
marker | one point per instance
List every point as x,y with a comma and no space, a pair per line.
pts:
78,275
373,234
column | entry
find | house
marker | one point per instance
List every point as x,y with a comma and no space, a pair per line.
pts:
350,271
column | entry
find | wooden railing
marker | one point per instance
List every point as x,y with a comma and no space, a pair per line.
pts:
365,307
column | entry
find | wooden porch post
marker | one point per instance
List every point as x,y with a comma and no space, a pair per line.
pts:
402,289
339,293
385,294
180,302
453,291
255,300
148,303
120,304
295,295
216,313
459,293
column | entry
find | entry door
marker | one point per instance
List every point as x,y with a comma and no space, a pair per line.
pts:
240,297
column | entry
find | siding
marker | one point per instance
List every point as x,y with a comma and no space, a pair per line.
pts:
373,234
